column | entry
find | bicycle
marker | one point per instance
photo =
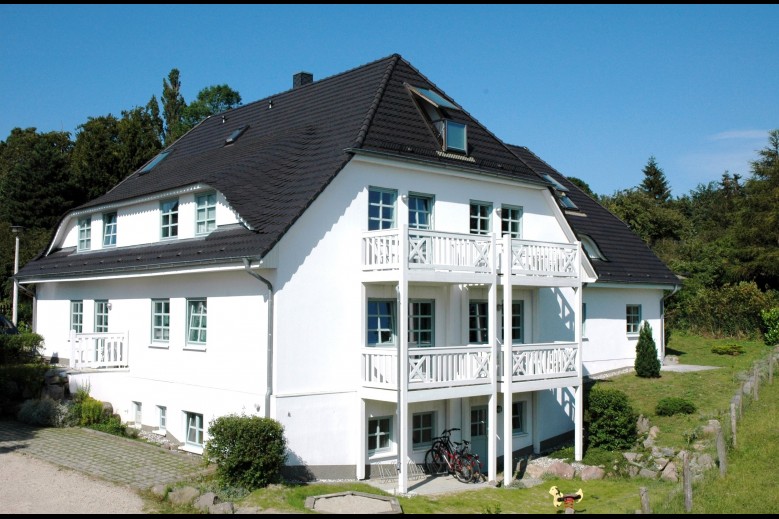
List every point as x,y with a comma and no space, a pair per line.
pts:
470,460
446,456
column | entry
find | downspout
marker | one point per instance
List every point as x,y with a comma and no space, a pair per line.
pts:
247,265
662,313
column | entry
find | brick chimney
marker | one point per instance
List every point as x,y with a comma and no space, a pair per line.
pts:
302,78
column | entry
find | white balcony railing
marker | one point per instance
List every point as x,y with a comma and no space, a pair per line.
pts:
454,252
447,367
542,361
99,350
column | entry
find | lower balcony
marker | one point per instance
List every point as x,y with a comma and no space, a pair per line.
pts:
99,350
456,366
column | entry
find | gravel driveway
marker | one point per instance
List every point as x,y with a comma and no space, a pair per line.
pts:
32,486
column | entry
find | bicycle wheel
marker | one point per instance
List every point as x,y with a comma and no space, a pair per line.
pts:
476,463
463,469
435,463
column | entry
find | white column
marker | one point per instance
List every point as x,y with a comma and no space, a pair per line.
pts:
579,423
403,433
14,315
362,431
492,421
536,422
579,411
508,364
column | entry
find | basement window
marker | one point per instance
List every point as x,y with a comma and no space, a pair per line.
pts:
237,133
156,160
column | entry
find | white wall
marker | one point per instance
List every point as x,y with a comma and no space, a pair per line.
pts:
606,345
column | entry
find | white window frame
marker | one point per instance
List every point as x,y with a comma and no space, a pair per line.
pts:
379,434
85,233
632,319
101,315
77,315
419,429
584,320
200,321
479,218
169,219
516,338
416,330
414,210
379,221
194,424
519,410
160,321
375,319
137,414
162,419
510,216
109,229
205,213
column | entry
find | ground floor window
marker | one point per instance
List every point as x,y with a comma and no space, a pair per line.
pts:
518,417
423,425
379,433
632,318
194,429
137,409
163,414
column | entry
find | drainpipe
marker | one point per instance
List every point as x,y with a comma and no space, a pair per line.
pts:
247,265
662,313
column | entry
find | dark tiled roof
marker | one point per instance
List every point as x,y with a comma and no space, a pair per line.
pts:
629,259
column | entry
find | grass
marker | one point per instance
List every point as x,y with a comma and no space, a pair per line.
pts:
748,488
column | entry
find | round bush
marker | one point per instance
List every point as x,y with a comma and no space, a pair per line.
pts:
672,405
249,451
612,419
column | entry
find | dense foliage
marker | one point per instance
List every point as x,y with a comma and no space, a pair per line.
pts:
647,362
611,419
672,405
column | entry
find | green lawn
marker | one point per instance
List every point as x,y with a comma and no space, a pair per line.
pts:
749,487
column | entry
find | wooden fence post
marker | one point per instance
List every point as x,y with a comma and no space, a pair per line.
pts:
644,493
733,423
771,369
687,483
757,382
722,452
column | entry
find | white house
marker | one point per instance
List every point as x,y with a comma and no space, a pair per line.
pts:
359,259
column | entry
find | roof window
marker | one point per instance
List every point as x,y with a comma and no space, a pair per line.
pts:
153,163
237,133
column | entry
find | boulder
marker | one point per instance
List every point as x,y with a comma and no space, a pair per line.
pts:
206,501
183,495
632,456
660,463
108,409
654,431
159,490
642,424
646,473
589,473
534,471
669,473
221,508
561,470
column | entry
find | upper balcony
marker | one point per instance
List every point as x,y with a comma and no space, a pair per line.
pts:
438,255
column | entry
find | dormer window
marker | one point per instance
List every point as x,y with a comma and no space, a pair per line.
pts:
591,248
153,163
452,136
85,233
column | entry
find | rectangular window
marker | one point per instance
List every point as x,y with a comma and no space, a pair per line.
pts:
101,316
420,212
633,318
76,315
206,213
422,429
420,326
137,407
517,323
85,233
481,214
511,221
379,433
381,322
456,136
196,321
194,429
109,229
163,415
160,320
518,417
381,208
477,322
169,210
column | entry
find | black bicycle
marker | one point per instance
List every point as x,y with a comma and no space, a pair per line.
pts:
448,457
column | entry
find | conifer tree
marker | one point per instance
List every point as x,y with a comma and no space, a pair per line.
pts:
647,364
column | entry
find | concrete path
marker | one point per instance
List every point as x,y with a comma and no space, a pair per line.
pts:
119,460
684,368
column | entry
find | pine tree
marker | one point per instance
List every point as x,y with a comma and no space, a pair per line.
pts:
647,364
655,184
173,106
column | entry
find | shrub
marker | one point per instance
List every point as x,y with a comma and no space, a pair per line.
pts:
647,364
20,348
249,451
45,411
771,323
91,411
672,405
612,419
727,349
112,425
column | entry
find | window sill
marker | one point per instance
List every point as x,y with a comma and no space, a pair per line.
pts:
159,346
381,455
161,432
193,449
195,347
632,336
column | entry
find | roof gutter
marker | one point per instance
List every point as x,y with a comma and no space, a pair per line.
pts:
247,265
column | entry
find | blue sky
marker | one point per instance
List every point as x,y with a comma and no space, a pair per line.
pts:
594,90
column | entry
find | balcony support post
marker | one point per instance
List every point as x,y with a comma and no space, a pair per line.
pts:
492,421
508,363
403,432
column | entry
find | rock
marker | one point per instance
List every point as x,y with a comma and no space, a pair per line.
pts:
668,452
712,428
221,508
206,501
631,456
55,392
589,473
669,473
660,463
654,431
646,473
670,359
159,490
642,424
633,471
108,409
534,471
561,470
183,495
704,461
699,446
649,443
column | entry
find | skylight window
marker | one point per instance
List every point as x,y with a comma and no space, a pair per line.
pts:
237,133
455,136
566,202
434,98
557,185
156,160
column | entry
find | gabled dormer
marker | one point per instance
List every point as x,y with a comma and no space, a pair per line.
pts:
451,135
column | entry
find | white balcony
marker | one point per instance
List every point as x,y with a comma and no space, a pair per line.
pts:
99,350
542,361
